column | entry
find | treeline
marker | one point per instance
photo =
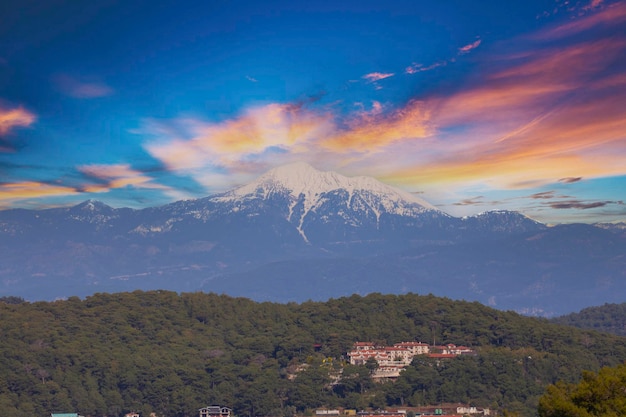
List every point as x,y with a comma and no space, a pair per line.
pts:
171,354
607,318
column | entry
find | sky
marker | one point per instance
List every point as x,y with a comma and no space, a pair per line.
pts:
472,106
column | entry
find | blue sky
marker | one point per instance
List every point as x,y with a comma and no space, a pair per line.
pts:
472,105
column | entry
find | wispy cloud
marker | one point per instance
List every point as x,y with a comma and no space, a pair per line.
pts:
107,177
251,79
469,47
377,76
16,117
582,205
474,201
544,195
77,88
570,180
573,9
417,67
414,68
593,4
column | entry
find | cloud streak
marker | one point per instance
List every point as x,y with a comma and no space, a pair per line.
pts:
107,177
570,180
581,205
377,76
469,47
415,68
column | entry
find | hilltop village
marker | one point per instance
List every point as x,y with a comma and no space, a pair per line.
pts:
390,360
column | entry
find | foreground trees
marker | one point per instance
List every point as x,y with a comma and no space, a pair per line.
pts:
171,354
601,394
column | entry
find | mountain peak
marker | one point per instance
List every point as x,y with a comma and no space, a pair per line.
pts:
503,221
300,178
92,205
308,195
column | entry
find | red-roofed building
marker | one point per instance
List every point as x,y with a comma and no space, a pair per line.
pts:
392,359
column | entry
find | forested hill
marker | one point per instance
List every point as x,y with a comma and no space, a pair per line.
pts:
171,354
606,318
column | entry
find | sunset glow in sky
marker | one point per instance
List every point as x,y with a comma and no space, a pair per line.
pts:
472,105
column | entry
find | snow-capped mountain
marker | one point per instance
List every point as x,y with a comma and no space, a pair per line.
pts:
308,197
297,233
300,181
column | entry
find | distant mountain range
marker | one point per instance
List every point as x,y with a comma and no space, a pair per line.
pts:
297,233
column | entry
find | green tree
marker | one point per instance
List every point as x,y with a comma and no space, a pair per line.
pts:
597,394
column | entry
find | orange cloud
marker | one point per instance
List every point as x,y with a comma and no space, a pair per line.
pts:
377,76
286,127
116,176
551,114
31,189
371,131
13,118
586,137
532,85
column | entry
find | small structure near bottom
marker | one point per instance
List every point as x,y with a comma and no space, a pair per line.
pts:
65,415
215,411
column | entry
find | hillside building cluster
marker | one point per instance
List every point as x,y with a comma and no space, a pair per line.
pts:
443,410
393,359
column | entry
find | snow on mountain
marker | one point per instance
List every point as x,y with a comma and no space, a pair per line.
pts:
308,190
500,221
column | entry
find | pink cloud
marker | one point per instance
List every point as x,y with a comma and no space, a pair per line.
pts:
469,47
593,4
17,117
415,67
377,76
613,15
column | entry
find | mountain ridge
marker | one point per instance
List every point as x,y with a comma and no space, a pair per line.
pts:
260,239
